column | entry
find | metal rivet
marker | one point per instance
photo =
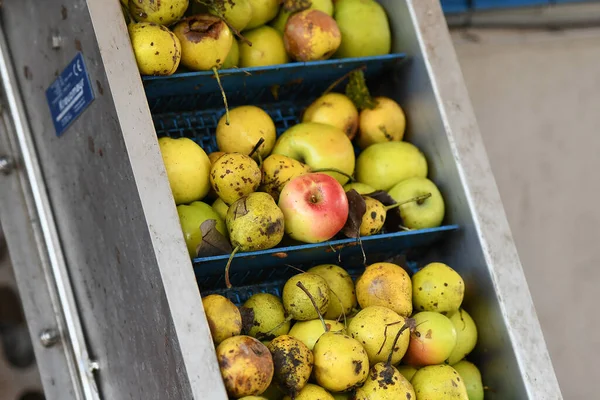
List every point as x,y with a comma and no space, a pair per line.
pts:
56,41
6,165
49,337
94,366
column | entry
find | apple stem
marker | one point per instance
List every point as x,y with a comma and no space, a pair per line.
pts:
216,72
337,171
227,282
417,199
256,146
409,322
312,300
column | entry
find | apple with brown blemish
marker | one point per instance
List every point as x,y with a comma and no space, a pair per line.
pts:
311,35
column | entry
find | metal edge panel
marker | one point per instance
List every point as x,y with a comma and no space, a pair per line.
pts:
28,254
134,286
484,203
155,193
51,258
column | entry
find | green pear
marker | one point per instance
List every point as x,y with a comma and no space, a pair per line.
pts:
263,11
365,28
255,222
439,382
267,48
472,378
466,336
238,14
233,58
383,165
191,216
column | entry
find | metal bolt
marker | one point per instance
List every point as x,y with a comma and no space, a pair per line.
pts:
94,366
49,337
56,41
6,165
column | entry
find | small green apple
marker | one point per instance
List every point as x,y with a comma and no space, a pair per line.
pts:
361,188
427,213
191,216
382,165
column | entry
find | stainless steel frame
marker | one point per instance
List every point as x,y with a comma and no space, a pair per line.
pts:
111,270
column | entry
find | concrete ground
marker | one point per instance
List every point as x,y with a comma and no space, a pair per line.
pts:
537,100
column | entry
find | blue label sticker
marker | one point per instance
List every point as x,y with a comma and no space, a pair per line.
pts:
70,94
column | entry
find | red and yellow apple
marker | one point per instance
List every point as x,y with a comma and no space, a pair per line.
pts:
315,207
432,341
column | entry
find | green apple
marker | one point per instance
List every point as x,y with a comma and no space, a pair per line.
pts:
426,213
323,148
187,167
361,188
191,216
382,165
472,379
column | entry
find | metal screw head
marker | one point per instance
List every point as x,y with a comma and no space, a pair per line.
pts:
49,337
6,165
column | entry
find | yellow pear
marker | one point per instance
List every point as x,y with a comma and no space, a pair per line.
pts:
188,168
263,11
247,125
157,50
165,12
267,48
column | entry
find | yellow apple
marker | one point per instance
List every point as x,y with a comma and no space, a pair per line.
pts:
187,167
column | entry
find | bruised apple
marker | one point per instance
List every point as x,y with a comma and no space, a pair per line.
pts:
311,35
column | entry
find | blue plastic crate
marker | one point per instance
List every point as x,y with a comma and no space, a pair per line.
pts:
491,4
269,265
190,105
455,6
240,294
191,91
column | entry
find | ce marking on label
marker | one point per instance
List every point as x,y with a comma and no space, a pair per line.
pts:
77,68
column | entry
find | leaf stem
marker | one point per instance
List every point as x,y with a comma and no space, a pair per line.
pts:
418,199
216,72
312,300
227,282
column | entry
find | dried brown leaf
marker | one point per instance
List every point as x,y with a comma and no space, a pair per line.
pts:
213,242
356,209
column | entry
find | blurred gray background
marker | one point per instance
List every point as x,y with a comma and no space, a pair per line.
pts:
536,95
